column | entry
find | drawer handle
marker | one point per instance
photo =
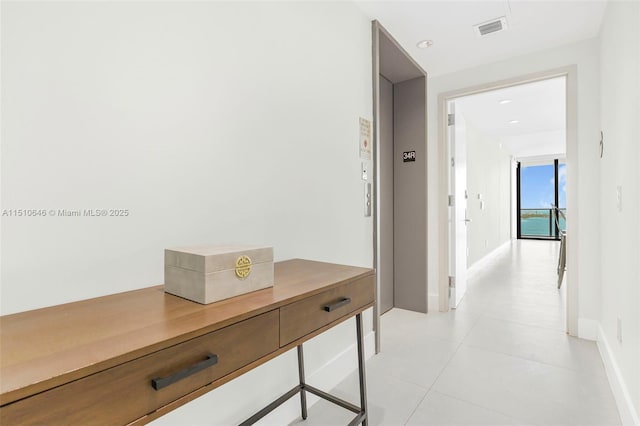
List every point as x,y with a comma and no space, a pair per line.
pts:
162,382
338,304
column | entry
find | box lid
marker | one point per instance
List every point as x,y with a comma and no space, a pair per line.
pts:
213,258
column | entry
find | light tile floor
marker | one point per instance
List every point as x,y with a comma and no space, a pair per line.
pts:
501,358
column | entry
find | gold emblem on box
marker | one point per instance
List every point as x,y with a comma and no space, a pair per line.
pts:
243,267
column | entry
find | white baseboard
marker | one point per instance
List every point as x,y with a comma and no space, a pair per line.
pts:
434,302
588,329
628,413
325,378
482,263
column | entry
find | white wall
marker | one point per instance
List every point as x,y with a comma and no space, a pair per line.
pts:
619,229
210,122
488,174
585,56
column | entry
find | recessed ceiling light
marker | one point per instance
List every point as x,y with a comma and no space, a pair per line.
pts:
425,44
505,101
514,121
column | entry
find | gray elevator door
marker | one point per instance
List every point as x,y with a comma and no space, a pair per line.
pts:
410,195
386,195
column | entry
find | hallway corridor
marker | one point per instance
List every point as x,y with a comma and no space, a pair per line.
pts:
501,358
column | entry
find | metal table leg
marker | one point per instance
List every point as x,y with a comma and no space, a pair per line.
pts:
361,369
303,395
302,388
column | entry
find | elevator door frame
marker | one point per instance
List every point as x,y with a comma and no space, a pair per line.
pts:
392,61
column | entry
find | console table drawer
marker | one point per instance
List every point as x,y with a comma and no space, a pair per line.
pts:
125,392
305,316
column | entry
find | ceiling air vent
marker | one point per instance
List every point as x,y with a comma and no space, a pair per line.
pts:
493,26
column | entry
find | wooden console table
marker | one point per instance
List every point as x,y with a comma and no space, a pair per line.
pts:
134,356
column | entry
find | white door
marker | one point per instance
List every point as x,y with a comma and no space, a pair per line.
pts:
458,200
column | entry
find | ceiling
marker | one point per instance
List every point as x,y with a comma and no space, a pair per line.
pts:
539,108
532,26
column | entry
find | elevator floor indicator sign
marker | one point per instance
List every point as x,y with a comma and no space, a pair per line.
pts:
408,156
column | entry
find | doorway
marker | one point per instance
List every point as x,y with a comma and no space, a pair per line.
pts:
400,170
476,198
541,198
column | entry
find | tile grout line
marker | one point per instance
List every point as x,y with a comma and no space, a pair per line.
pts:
541,327
483,407
534,360
444,367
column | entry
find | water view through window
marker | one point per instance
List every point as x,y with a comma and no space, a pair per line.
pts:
538,198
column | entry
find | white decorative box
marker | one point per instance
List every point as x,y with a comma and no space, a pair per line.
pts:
206,274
